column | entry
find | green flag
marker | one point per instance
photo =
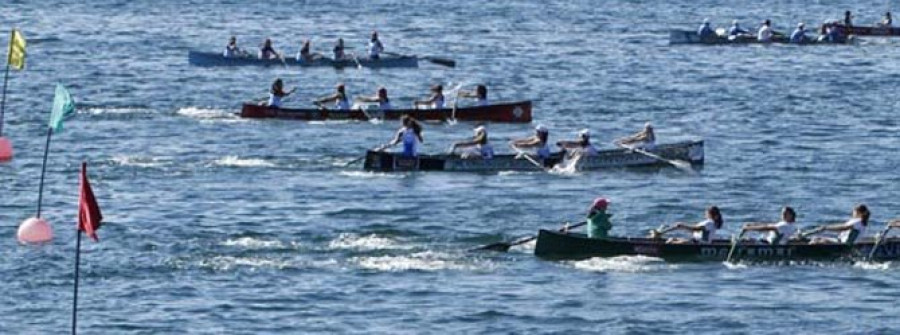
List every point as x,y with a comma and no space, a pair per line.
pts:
63,107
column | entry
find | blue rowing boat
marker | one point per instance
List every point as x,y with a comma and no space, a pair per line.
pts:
210,59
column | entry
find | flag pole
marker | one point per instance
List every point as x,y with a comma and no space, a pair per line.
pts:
43,171
3,100
75,293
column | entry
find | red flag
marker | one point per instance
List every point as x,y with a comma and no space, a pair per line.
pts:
89,216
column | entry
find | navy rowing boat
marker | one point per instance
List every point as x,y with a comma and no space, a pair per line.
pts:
691,37
209,59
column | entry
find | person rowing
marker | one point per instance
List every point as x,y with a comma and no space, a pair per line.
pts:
778,233
848,19
887,21
375,46
435,101
477,147
705,31
799,34
232,50
832,33
598,224
581,145
277,93
480,95
338,51
848,231
267,51
645,139
765,33
736,29
536,143
339,98
306,54
381,97
703,232
410,134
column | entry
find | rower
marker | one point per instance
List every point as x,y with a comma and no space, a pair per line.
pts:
536,142
779,233
645,139
736,29
305,54
833,33
232,50
480,94
581,145
339,49
850,231
277,93
703,232
339,97
375,46
705,31
381,97
598,224
799,34
765,32
477,147
887,21
848,19
410,134
267,51
435,101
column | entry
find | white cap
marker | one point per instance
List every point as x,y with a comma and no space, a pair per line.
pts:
800,25
540,128
585,133
706,20
479,129
648,125
735,22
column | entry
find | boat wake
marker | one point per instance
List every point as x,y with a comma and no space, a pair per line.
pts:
205,113
420,261
369,174
878,266
366,243
142,162
629,264
256,244
235,161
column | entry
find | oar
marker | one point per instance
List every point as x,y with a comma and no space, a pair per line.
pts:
504,246
436,60
452,119
680,164
734,244
530,159
658,232
357,159
355,60
878,238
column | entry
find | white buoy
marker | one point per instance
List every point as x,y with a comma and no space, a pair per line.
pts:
34,230
6,151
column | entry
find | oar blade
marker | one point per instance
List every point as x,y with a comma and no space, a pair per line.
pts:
498,247
441,61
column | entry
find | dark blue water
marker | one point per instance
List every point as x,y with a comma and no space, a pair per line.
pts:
217,224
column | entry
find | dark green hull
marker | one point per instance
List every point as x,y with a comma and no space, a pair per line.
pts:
556,245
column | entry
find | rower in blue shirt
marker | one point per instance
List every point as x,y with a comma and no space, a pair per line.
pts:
736,29
705,30
799,34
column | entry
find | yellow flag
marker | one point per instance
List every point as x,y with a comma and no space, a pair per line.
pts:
16,50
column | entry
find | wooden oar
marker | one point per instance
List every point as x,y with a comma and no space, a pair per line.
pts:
680,164
504,246
878,238
734,244
529,158
658,232
436,60
358,65
357,159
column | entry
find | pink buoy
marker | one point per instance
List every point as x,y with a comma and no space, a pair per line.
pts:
6,151
34,230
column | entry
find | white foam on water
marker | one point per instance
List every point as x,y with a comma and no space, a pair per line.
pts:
330,122
115,110
365,243
252,243
236,161
138,161
226,263
630,264
421,261
878,266
735,266
370,174
205,113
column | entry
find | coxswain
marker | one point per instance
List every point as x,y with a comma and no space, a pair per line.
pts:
381,97
537,142
581,145
339,98
765,33
375,46
232,50
705,31
848,231
799,34
644,139
267,51
410,134
480,95
477,147
778,233
338,51
435,101
598,224
277,93
848,19
703,232
736,29
887,21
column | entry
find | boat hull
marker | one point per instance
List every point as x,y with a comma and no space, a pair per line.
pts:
557,245
210,59
872,31
691,37
690,151
514,112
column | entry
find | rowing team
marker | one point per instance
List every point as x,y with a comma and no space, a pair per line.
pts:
831,31
538,145
777,233
267,51
341,101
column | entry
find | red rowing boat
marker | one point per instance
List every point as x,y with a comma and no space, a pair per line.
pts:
871,30
513,112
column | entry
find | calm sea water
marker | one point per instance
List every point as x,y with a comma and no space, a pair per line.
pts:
221,225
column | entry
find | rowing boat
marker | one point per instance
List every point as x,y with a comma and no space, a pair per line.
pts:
691,37
871,30
559,245
512,112
690,151
208,59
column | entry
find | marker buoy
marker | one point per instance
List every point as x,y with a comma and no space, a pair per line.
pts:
34,230
6,151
